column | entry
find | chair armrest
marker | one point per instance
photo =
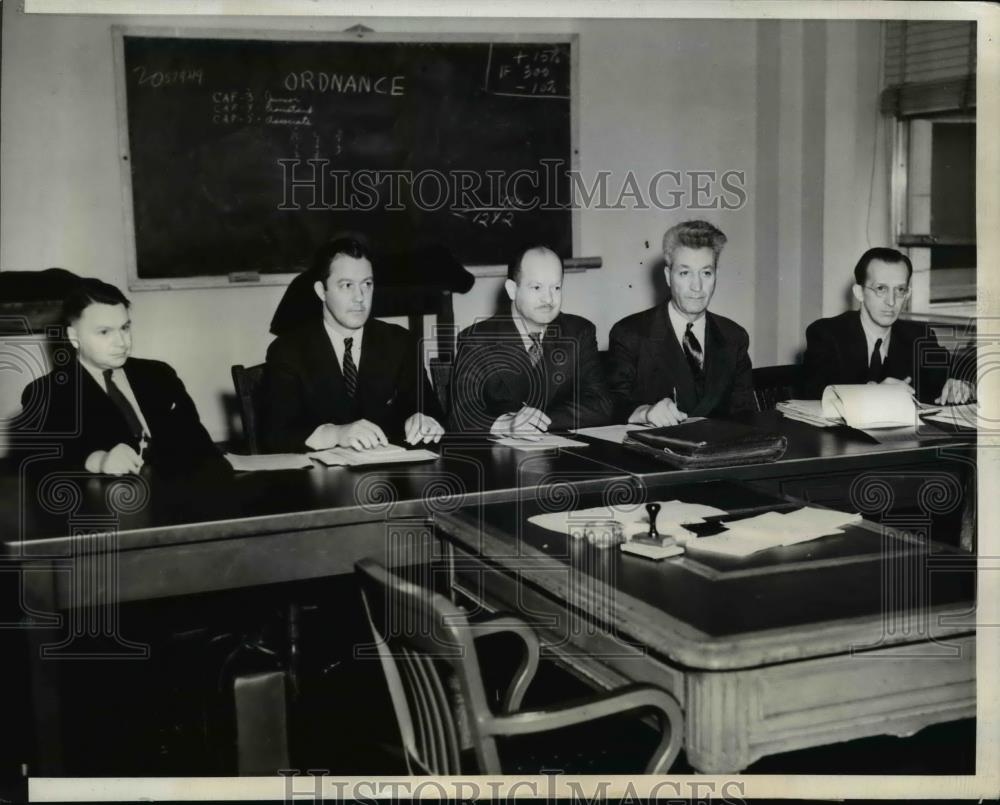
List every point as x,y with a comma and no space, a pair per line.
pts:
498,624
622,700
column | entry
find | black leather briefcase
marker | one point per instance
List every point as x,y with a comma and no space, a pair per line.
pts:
708,443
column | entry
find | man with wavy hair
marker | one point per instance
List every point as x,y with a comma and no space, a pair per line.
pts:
678,359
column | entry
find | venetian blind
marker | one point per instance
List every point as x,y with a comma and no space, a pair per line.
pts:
930,67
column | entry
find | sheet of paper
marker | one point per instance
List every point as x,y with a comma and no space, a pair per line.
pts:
731,544
672,516
775,529
651,551
609,433
274,461
548,442
387,454
962,416
870,405
808,411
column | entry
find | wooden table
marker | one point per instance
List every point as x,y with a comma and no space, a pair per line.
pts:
866,633
76,542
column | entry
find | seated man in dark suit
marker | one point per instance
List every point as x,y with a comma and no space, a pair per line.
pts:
534,368
677,359
342,380
111,413
872,345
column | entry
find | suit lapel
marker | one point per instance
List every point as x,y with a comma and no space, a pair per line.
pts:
856,346
326,367
663,340
98,409
717,363
900,357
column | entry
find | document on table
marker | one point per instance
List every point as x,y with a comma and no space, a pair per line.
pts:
386,454
548,441
617,433
609,433
774,530
673,515
961,416
870,405
274,461
808,411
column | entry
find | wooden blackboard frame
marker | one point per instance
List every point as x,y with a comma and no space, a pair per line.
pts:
252,279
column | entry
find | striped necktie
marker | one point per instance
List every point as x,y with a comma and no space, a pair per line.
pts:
693,352
350,370
535,350
122,404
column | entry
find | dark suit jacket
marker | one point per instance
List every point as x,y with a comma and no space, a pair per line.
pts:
69,407
647,363
304,387
493,375
837,352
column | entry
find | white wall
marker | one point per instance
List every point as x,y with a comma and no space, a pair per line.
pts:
653,95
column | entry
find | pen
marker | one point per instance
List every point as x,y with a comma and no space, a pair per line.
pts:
143,441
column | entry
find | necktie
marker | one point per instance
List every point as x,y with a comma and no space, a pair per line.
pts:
535,350
693,352
350,370
123,405
875,364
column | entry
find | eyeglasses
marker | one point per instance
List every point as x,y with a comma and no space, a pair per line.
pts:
882,291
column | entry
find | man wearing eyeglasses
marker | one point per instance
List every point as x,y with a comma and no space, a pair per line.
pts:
872,345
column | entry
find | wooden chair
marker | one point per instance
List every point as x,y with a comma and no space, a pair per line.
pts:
427,650
772,384
247,381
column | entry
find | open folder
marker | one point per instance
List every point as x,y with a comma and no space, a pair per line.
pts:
871,405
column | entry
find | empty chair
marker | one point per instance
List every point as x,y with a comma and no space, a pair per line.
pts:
427,650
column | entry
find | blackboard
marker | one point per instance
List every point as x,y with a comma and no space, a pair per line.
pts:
242,153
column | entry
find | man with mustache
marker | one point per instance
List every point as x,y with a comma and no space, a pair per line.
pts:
677,359
873,345
111,413
531,369
344,380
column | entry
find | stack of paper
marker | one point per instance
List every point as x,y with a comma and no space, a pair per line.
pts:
808,411
673,515
548,441
962,416
272,461
870,405
387,454
773,530
609,433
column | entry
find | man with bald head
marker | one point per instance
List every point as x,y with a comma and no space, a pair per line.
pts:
532,368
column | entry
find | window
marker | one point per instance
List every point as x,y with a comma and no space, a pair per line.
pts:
929,88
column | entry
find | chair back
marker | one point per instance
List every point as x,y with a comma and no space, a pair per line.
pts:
772,384
247,380
427,653
441,372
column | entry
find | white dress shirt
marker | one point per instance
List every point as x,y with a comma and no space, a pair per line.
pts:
679,323
522,328
871,336
337,341
120,379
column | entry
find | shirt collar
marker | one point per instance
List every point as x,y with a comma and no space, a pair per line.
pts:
338,338
522,328
871,335
680,323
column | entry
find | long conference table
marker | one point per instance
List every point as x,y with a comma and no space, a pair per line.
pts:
763,655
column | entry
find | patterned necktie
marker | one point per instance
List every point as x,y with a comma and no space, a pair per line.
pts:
535,350
350,370
123,405
693,352
875,364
